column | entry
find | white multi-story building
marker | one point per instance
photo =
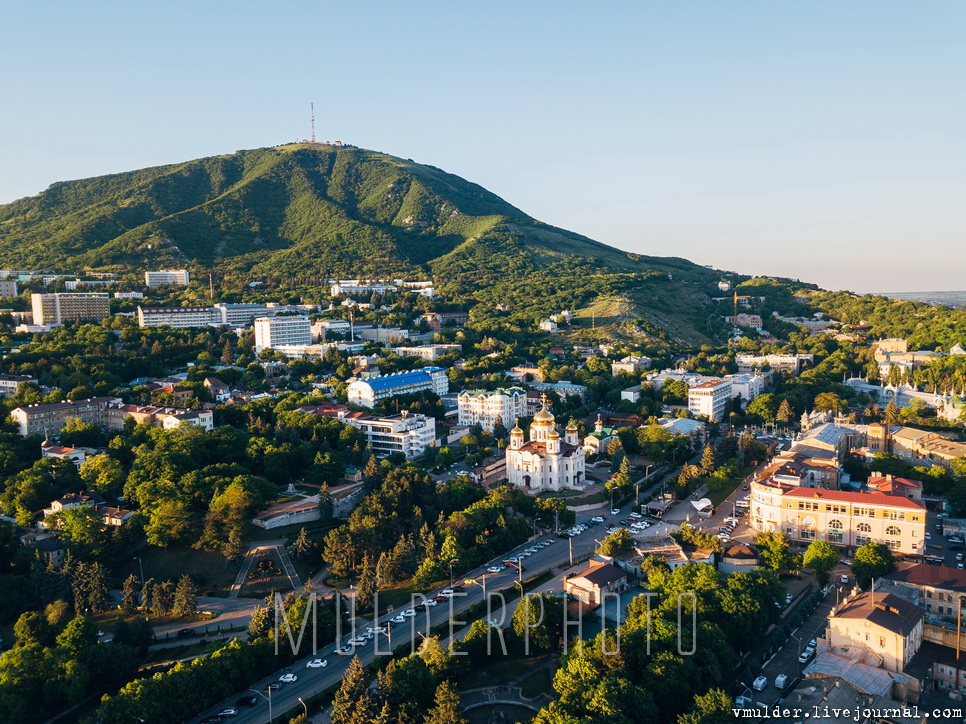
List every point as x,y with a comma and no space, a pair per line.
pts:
630,364
409,434
746,386
781,362
177,317
272,332
368,392
324,327
8,288
427,352
54,309
166,277
710,399
240,315
129,295
485,407
348,287
9,384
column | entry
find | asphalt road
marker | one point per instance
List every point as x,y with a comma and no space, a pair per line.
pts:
313,681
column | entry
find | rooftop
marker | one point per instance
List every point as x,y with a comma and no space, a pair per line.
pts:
882,609
921,574
847,496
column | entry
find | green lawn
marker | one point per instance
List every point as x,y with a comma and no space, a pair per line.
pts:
211,573
717,497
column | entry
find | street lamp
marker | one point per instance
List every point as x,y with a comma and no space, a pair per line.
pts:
306,707
269,699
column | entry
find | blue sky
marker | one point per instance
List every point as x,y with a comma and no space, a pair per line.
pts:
824,141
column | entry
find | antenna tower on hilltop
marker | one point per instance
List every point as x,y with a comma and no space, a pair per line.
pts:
312,106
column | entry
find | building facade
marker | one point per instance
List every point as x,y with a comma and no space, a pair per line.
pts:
176,317
406,433
58,308
368,392
166,277
486,407
843,518
710,399
9,384
107,413
271,332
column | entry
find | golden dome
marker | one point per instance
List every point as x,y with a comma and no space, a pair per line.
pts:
572,426
553,435
517,430
544,417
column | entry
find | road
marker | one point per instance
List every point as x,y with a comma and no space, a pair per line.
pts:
313,681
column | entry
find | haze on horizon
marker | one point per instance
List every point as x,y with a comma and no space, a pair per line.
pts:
825,144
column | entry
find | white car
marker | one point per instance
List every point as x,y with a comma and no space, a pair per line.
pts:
317,664
398,619
377,630
615,511
597,519
635,516
760,683
408,613
288,678
429,602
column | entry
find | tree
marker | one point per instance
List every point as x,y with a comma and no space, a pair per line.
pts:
871,560
32,628
707,460
353,704
260,623
776,549
784,413
829,402
616,542
890,415
129,595
713,707
366,588
326,507
104,474
339,551
185,601
447,709
301,543
821,556
79,634
77,525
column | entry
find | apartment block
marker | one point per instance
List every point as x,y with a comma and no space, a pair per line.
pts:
485,407
177,317
166,277
710,399
428,379
272,332
409,434
10,383
107,413
240,315
59,308
8,288
427,352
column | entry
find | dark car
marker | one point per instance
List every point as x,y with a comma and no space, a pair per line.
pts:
458,589
274,686
211,720
419,607
186,632
249,700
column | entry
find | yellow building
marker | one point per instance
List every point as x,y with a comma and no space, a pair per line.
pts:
843,518
886,625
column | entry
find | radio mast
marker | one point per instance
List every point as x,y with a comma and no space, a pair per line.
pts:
312,106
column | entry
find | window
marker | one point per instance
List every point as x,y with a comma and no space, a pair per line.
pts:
861,540
894,545
835,531
807,534
863,528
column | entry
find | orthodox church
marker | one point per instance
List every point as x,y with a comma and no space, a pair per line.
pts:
545,462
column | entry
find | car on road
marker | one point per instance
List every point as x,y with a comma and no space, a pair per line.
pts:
359,641
597,519
429,602
318,663
376,629
843,578
408,613
250,700
274,686
812,644
288,678
806,656
743,701
346,649
399,619
550,541
211,720
760,683
780,681
959,556
928,535
493,569
228,713
440,599
186,632
615,511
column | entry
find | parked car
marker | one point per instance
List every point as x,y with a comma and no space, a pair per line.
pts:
806,656
780,681
615,511
843,579
760,683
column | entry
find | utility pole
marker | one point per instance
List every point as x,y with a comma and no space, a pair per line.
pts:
312,107
570,541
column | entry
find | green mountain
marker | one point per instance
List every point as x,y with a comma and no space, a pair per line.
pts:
310,210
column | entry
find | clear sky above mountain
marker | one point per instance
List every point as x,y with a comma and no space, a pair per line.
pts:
824,141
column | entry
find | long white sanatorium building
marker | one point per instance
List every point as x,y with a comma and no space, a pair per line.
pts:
409,434
166,277
271,332
368,392
485,407
545,462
